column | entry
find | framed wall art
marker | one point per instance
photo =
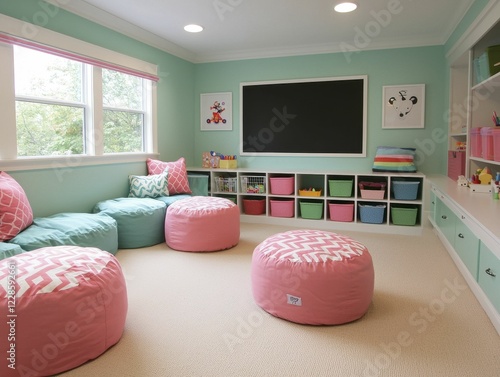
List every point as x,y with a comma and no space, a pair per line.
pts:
403,106
216,111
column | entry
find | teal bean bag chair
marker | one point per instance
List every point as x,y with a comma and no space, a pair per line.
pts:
80,229
140,221
8,250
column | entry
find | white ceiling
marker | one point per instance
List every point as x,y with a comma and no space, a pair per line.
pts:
243,29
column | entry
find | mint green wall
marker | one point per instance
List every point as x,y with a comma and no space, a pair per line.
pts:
424,65
75,189
79,188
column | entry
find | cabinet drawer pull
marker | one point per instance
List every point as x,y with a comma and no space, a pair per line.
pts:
460,235
489,272
444,217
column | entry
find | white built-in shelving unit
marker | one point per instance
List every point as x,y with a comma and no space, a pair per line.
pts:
234,184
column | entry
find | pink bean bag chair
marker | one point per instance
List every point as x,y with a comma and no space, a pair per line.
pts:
312,277
202,223
62,306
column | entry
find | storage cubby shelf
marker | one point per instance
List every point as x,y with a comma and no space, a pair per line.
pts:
328,205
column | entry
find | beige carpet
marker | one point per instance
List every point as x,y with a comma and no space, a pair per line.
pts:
193,314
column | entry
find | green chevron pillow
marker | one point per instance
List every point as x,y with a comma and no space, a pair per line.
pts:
149,186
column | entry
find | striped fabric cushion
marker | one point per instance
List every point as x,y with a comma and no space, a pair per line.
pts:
393,159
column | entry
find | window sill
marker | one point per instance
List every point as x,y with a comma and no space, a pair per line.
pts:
72,161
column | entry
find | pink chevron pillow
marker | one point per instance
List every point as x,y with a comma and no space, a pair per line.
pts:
15,210
177,174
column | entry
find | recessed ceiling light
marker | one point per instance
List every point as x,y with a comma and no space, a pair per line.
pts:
345,7
192,28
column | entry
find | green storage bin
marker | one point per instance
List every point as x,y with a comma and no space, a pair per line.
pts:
340,187
404,216
310,210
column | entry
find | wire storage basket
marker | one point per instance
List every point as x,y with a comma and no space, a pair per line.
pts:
223,184
251,184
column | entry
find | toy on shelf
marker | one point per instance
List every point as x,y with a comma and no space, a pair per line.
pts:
462,181
480,182
214,159
495,186
461,145
482,177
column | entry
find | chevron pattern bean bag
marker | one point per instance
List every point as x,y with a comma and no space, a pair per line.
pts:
312,277
202,223
62,306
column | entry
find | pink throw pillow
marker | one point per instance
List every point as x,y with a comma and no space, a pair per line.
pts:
177,174
15,209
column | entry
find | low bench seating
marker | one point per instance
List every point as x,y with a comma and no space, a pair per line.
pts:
82,229
9,250
121,223
140,220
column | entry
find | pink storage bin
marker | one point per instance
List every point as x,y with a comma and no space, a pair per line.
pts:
496,144
372,194
341,212
282,208
487,143
475,142
282,185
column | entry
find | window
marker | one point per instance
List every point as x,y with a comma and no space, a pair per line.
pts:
123,112
64,97
50,111
51,106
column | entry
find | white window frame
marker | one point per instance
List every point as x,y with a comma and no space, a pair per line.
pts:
8,141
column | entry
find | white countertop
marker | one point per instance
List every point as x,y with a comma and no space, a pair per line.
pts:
479,206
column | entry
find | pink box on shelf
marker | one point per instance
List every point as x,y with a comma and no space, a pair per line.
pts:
341,212
487,143
372,190
282,185
475,142
456,164
372,194
282,208
496,144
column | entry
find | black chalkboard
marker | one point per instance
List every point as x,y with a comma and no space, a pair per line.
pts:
304,117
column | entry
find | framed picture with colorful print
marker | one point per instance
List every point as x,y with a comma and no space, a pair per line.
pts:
216,111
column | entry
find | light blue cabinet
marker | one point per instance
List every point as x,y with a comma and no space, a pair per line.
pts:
467,224
446,221
467,247
489,275
433,200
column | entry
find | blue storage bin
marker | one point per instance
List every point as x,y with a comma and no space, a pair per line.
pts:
373,214
405,190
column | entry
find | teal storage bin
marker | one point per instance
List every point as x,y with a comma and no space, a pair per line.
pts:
198,183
